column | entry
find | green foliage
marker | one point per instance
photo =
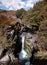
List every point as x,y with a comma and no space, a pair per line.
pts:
20,13
36,14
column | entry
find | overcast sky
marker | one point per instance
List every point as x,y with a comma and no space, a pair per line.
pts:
17,4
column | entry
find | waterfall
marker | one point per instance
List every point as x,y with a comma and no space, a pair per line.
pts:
23,38
23,54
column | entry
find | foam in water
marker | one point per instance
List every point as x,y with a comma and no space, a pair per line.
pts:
23,54
23,38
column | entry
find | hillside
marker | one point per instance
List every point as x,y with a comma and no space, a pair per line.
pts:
35,16
38,16
10,17
7,17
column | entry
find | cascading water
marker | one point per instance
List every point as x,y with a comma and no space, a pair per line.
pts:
23,54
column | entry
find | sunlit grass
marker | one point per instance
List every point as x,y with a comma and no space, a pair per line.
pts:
42,54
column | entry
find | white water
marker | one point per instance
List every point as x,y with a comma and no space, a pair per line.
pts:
23,38
23,55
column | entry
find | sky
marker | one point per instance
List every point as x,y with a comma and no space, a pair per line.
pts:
17,4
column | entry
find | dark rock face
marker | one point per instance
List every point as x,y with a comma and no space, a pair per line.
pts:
27,29
36,27
10,33
39,62
33,52
18,45
3,53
